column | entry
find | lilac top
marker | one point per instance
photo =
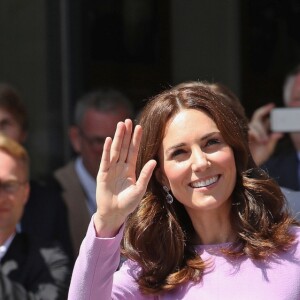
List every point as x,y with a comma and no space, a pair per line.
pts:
94,276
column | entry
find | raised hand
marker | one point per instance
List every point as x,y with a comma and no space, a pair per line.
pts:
262,142
118,191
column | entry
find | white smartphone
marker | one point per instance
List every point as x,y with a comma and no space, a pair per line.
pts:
285,119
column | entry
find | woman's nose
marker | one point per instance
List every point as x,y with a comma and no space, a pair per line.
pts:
199,160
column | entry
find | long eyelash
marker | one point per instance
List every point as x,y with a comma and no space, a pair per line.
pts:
214,141
176,152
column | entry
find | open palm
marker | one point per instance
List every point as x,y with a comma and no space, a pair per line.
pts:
118,190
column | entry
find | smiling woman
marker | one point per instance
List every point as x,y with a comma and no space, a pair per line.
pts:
199,168
227,225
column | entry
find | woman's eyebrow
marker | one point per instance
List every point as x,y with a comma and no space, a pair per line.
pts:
172,148
205,137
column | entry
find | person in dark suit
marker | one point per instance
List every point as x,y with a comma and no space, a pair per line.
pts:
95,117
284,164
45,214
29,268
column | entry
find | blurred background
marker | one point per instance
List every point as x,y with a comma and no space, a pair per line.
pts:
53,51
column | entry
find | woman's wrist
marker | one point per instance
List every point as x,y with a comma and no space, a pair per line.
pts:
107,228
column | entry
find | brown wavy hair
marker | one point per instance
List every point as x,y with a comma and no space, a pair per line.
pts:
158,236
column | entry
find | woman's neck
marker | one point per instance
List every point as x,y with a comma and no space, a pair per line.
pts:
211,228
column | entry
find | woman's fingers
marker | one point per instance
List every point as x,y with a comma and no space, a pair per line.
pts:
122,150
134,145
126,140
118,161
118,191
117,142
105,158
121,142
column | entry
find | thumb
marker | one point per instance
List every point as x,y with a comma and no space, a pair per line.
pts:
145,175
274,138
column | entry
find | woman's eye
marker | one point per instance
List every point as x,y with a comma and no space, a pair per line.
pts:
177,152
212,142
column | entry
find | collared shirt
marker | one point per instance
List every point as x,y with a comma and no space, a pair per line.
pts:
5,246
88,184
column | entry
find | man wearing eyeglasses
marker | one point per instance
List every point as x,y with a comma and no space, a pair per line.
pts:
29,269
96,116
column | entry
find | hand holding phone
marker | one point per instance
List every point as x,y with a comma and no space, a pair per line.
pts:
262,141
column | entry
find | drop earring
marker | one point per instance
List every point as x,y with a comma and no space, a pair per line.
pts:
169,197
